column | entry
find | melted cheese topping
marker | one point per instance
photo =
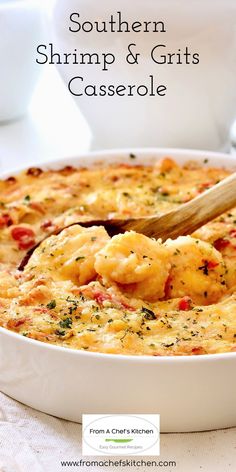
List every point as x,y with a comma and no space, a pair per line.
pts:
128,294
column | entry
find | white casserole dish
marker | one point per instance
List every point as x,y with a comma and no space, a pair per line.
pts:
190,393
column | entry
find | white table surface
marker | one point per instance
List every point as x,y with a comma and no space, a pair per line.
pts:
31,441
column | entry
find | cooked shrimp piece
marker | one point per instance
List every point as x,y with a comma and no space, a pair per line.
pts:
198,270
70,254
167,164
227,247
138,263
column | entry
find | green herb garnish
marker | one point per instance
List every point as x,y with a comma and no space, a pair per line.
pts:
51,305
59,332
66,323
148,314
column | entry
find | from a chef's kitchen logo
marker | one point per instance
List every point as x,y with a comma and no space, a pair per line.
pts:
116,435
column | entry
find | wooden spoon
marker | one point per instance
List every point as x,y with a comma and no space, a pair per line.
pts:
186,219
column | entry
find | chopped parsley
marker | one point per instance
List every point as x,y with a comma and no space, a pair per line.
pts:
66,323
60,332
148,314
204,268
177,252
168,345
51,305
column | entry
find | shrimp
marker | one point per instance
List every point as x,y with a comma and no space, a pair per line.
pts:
70,255
138,263
166,164
198,270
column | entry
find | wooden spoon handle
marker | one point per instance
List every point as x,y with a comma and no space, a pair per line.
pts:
192,215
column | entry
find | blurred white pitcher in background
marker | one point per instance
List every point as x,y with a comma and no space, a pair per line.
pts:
200,102
21,27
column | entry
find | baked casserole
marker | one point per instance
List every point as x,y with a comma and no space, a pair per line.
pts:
128,294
